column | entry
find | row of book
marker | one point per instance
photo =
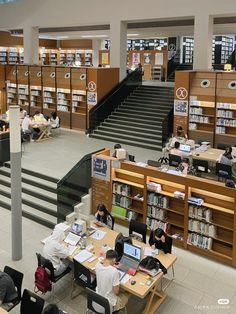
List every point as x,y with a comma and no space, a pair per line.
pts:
224,114
200,212
122,189
121,200
158,200
154,224
156,212
200,241
196,110
201,227
197,118
226,122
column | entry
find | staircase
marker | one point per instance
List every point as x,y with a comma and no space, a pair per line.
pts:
39,195
141,120
180,67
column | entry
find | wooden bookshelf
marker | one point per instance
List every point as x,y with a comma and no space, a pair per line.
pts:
208,229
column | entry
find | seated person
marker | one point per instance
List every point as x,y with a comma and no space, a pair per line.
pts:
176,150
8,292
160,240
226,158
52,309
55,121
177,138
27,128
186,168
103,217
108,283
23,114
118,146
180,129
38,117
56,251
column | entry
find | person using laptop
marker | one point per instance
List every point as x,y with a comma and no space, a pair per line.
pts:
176,150
160,240
103,217
186,168
108,283
179,137
8,292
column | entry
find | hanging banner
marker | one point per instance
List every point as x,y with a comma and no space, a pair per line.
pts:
105,58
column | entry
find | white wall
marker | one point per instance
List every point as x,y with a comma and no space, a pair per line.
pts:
45,13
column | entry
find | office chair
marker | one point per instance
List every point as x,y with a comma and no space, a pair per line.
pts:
201,165
82,278
132,158
223,171
17,278
31,303
174,160
222,146
47,264
138,227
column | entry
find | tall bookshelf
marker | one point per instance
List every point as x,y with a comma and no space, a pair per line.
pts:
3,55
188,48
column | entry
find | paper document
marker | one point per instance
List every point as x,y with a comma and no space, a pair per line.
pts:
148,251
72,248
98,235
125,279
83,256
72,239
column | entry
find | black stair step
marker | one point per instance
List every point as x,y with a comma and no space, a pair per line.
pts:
129,127
135,112
166,107
32,182
121,118
157,110
147,102
113,119
69,202
34,174
146,139
32,193
137,116
129,132
71,193
31,204
156,88
152,98
124,141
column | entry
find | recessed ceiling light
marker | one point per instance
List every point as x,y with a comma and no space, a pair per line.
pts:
132,34
92,36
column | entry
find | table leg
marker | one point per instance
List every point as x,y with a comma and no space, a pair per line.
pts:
155,300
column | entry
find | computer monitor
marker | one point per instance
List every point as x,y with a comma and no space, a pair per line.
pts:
185,148
132,251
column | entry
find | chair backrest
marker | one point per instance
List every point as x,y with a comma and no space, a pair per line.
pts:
223,171
222,146
154,163
174,160
138,227
93,297
131,158
31,303
17,278
112,221
47,264
82,274
200,165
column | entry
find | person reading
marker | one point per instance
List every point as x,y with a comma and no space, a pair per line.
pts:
103,217
160,240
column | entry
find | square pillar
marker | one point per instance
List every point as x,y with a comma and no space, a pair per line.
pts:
31,45
118,49
96,43
203,34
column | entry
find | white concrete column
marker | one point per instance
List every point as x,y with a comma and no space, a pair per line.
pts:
31,45
118,50
203,33
96,43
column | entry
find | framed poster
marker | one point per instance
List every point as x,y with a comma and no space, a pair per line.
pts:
135,58
158,58
147,58
91,98
181,108
101,168
105,58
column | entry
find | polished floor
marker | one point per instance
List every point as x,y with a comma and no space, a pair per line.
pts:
199,282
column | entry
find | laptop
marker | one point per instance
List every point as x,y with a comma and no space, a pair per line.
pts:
76,229
185,148
130,259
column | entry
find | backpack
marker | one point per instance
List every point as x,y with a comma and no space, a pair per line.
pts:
151,263
42,281
119,245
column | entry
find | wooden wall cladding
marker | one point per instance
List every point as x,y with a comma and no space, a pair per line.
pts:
11,73
49,76
106,80
2,76
35,75
76,44
63,77
78,78
65,118
101,194
78,121
224,93
203,85
23,74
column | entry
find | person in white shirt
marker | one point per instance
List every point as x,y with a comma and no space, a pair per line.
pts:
26,127
108,283
55,121
23,114
56,251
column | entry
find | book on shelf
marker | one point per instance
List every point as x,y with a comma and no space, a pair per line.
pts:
156,212
122,189
201,213
154,224
154,187
158,200
202,228
195,201
122,201
200,241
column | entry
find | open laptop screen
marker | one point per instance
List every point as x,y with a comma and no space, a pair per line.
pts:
132,251
185,148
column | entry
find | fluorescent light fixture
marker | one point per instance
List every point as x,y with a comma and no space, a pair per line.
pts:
132,35
62,37
92,36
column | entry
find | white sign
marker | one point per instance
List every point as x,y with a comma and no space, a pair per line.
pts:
181,93
181,108
159,58
101,168
92,86
91,98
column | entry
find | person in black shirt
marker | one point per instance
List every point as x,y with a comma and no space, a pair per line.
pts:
8,292
160,240
103,217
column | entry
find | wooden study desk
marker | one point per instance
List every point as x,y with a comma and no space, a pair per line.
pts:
212,154
44,130
140,289
2,311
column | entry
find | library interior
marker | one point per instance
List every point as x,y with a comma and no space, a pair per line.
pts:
117,157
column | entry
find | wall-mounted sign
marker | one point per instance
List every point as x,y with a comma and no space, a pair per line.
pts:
147,58
181,108
232,85
92,86
53,74
181,93
91,98
67,76
27,73
135,58
105,58
158,58
82,77
39,74
205,83
101,168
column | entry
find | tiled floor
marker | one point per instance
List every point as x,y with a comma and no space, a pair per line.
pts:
198,284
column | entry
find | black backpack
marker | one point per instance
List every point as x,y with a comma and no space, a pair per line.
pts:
119,245
151,263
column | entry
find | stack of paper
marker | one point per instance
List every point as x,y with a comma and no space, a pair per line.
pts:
98,235
72,239
83,256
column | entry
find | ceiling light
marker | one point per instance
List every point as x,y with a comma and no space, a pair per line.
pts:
133,34
62,37
92,36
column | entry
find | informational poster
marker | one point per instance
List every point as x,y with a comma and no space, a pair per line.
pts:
181,108
158,58
91,98
101,168
147,58
136,58
105,58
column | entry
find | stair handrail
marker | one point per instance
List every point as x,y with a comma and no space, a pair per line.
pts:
113,99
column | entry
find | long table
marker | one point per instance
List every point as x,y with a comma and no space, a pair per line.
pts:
212,154
2,311
140,289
